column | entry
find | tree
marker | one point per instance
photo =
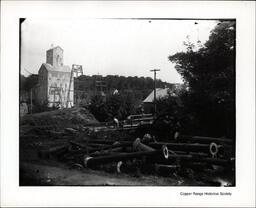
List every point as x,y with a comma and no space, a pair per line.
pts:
26,83
115,106
210,75
98,108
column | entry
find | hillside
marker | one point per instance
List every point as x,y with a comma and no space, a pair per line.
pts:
86,86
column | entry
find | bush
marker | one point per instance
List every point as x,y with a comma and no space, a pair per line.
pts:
106,108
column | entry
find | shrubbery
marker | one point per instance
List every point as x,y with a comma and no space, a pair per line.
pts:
117,105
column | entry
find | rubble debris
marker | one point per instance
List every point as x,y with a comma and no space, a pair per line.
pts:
58,119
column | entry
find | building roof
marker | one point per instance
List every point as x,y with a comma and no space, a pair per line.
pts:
160,93
49,67
55,47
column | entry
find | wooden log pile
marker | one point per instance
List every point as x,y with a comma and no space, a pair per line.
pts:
125,156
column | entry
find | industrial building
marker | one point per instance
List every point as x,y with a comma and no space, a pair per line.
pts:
55,81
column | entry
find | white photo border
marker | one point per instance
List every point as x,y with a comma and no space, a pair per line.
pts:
15,196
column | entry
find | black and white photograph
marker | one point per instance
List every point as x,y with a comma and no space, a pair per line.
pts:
127,102
105,101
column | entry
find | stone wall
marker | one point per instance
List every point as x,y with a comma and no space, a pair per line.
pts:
58,86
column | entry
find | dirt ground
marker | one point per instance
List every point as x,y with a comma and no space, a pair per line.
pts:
56,174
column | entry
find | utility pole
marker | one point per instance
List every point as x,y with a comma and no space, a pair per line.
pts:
31,103
155,70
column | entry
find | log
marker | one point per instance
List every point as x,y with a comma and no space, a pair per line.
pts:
138,146
92,161
198,154
191,158
182,146
111,147
106,152
202,139
95,150
214,150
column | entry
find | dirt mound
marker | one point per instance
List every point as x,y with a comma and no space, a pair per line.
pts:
62,117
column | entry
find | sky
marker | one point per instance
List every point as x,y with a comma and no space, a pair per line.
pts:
124,47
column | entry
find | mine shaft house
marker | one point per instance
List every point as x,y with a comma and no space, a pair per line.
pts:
55,83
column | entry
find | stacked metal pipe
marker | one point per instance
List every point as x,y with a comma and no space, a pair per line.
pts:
146,152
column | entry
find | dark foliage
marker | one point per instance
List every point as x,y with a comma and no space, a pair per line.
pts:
131,92
27,83
118,82
113,106
210,74
140,87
